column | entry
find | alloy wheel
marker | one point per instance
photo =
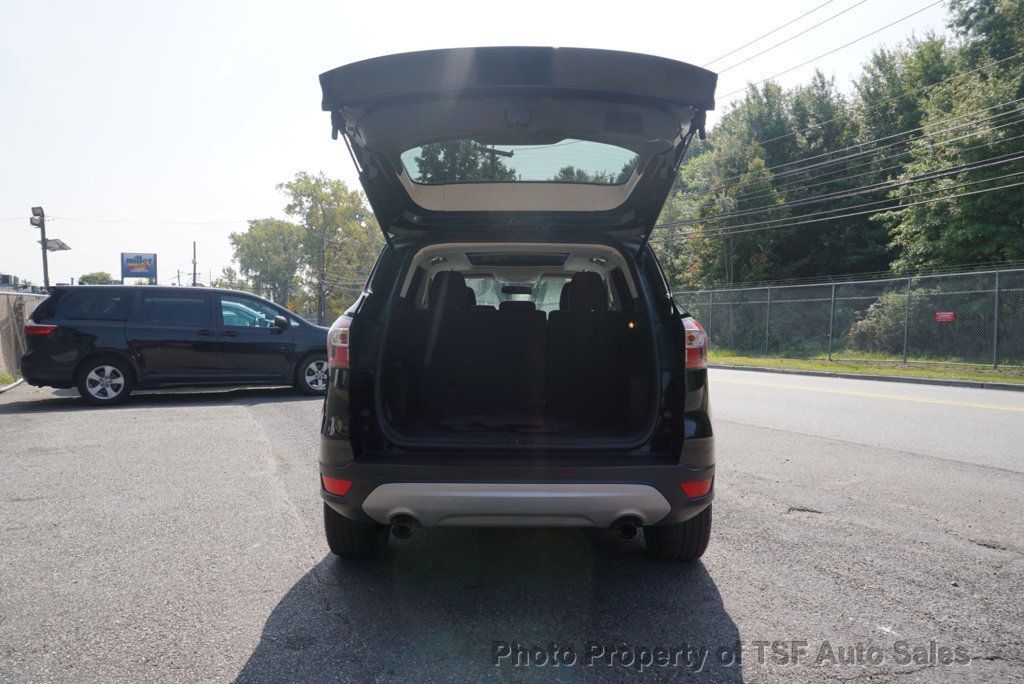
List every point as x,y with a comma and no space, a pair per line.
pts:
316,375
104,382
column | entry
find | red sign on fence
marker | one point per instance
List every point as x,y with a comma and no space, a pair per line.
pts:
945,316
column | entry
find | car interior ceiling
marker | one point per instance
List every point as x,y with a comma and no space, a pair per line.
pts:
527,347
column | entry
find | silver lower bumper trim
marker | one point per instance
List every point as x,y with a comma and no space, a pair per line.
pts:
484,504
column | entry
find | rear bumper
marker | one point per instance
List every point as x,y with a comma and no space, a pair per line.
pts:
489,504
46,372
516,496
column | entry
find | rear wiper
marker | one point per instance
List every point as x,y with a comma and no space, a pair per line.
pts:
490,150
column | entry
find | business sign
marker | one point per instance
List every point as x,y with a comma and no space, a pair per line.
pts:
137,265
945,317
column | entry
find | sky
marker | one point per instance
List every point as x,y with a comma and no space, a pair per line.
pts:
145,126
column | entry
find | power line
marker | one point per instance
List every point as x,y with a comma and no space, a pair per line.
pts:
913,91
834,50
150,222
869,162
793,37
864,204
725,182
765,35
896,207
972,268
854,192
876,148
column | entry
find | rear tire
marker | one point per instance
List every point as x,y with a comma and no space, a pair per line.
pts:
105,381
351,538
312,375
686,541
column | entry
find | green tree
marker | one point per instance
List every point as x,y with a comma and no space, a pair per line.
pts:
984,227
571,174
95,278
270,254
460,161
992,28
336,220
231,280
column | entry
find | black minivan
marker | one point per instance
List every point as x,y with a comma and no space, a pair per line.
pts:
516,358
107,340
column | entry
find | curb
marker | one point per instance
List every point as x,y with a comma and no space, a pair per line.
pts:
12,385
974,384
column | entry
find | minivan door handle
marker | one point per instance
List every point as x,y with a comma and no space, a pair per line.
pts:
204,332
229,333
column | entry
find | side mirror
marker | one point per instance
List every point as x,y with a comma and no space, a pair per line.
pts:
280,323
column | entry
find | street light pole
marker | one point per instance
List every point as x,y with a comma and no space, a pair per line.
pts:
39,221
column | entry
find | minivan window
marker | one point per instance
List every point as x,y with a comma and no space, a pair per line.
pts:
244,312
94,305
175,309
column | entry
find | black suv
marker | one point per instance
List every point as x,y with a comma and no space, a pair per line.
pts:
516,358
108,340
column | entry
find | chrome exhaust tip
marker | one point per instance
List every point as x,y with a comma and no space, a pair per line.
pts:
401,526
625,528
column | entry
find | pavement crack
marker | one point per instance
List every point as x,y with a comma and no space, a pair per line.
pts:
802,509
988,544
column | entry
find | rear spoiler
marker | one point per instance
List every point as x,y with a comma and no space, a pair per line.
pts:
462,72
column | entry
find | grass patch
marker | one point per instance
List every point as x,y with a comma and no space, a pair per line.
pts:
867,367
6,379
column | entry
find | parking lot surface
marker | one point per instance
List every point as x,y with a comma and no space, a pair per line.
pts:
861,529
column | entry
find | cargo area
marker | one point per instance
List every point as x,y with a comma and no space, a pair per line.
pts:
505,341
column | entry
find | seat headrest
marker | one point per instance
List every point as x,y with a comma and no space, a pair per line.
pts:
588,292
470,297
447,291
563,298
517,306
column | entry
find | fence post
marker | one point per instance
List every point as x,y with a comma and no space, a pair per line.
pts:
831,320
906,322
711,307
767,320
995,327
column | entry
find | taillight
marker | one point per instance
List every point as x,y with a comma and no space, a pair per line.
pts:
694,489
696,344
337,343
39,329
335,486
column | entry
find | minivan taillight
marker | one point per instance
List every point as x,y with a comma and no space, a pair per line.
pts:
696,344
337,343
39,329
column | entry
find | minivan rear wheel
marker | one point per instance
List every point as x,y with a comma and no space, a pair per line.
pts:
105,381
686,541
352,538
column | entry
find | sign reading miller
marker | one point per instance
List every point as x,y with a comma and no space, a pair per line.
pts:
138,265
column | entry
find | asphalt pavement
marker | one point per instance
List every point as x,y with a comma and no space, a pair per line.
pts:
861,529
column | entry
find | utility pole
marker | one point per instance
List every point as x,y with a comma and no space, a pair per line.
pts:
179,277
193,263
321,304
39,221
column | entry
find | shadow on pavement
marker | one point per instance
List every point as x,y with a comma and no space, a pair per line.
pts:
33,400
434,606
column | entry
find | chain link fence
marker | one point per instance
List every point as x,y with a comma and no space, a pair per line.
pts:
15,308
964,318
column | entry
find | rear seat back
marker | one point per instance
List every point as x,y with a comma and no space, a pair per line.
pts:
476,360
587,344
